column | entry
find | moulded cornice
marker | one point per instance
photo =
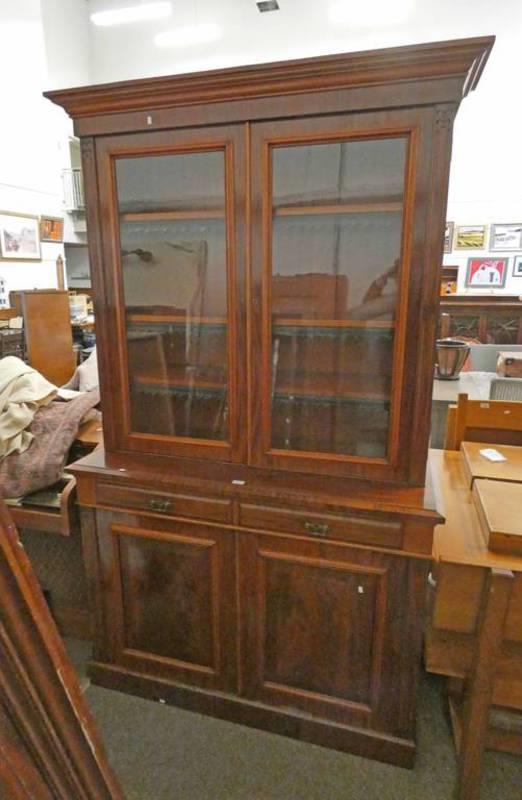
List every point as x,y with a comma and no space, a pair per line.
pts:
461,58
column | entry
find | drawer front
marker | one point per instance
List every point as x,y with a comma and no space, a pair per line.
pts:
174,505
360,530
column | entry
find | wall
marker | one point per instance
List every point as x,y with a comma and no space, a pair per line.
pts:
33,133
486,172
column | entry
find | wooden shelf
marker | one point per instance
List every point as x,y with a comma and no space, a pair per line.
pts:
176,319
182,213
372,207
297,322
324,387
177,378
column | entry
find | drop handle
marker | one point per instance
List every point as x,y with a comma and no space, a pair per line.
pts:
317,528
160,505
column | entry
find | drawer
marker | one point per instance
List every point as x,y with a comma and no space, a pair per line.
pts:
174,505
350,528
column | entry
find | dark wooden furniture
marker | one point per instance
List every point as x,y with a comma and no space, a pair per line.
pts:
265,266
49,746
474,633
494,319
47,332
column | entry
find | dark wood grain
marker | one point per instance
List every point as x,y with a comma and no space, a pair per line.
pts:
169,605
276,584
463,59
48,744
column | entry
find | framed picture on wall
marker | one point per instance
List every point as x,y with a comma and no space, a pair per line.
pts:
506,236
448,237
517,267
486,273
51,229
471,237
19,237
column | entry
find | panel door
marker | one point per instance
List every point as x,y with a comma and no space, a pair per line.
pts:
331,631
169,283
169,610
342,273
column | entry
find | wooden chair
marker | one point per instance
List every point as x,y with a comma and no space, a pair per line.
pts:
495,421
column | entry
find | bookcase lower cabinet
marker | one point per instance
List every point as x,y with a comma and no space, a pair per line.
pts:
307,637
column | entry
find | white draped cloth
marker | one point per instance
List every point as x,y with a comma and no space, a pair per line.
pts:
22,392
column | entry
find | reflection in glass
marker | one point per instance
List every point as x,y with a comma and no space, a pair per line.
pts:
173,262
336,247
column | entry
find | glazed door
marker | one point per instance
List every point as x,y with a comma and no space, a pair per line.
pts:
326,629
169,608
339,266
170,275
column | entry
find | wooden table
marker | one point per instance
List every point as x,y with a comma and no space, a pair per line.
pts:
475,384
477,466
474,630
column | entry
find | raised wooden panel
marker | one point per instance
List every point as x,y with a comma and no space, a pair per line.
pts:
324,631
171,581
171,611
314,612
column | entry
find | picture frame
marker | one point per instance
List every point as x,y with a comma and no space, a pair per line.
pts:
471,237
51,229
517,267
448,237
486,273
19,237
506,236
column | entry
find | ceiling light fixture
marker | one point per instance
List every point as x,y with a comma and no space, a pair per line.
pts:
188,35
141,13
267,5
370,13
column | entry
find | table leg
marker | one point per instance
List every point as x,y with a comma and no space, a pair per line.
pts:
479,689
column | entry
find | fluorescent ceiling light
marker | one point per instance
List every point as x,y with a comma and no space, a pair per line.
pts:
188,35
141,13
370,13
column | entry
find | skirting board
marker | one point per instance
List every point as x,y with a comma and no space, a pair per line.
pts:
296,725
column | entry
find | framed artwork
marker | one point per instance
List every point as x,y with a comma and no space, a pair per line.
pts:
19,237
486,273
506,236
517,267
448,237
51,229
470,237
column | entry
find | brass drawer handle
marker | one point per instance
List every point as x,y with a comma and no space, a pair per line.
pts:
317,528
160,505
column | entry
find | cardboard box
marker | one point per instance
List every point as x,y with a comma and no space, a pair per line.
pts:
509,364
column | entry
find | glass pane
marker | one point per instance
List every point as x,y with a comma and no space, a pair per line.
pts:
337,225
173,257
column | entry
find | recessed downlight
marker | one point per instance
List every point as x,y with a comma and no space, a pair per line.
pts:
267,5
124,16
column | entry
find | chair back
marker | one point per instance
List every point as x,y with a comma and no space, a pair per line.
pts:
495,421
